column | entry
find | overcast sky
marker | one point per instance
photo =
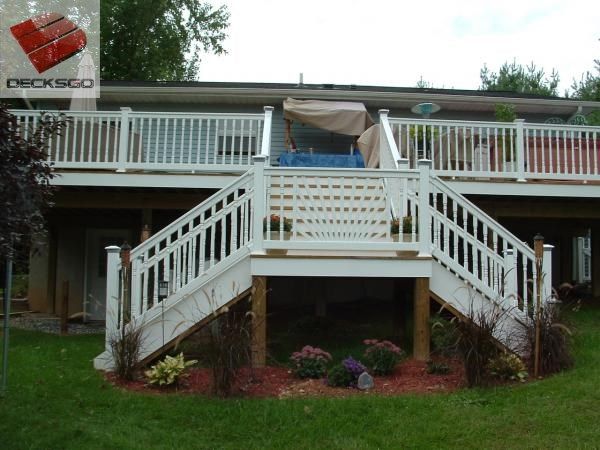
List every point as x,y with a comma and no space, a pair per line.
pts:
394,43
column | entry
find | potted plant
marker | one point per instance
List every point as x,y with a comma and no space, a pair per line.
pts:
275,225
506,143
423,135
406,229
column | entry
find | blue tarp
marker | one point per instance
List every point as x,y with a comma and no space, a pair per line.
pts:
321,160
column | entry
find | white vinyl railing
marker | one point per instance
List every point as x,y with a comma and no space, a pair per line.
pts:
198,242
478,249
499,149
467,241
127,140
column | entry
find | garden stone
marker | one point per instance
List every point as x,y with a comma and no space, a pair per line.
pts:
365,381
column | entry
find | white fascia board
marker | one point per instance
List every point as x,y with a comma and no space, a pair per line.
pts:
138,180
527,189
341,267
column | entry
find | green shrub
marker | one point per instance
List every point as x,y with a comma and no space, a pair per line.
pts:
168,371
437,368
338,376
382,356
507,366
310,362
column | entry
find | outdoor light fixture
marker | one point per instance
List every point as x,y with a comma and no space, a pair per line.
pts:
163,289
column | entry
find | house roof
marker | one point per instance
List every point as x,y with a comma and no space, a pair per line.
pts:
373,96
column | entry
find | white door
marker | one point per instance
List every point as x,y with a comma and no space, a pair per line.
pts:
94,304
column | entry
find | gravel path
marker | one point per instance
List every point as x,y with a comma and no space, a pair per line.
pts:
52,325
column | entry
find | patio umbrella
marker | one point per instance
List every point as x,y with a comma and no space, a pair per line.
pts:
84,99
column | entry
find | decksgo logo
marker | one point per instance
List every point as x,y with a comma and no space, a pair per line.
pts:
49,49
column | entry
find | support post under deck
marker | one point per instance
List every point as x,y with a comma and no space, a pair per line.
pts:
259,321
421,319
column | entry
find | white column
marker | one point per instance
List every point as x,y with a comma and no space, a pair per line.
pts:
520,141
259,202
510,277
112,292
266,137
123,139
547,293
424,215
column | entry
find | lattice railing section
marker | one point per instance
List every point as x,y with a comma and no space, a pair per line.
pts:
475,247
337,206
193,245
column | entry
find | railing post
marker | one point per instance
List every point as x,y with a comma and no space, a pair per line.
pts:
112,293
520,141
123,139
265,149
259,202
510,277
547,294
424,215
136,294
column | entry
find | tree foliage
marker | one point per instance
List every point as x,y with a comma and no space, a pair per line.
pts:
514,77
158,39
588,88
25,190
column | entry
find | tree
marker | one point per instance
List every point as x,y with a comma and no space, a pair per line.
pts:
25,190
588,88
514,77
158,39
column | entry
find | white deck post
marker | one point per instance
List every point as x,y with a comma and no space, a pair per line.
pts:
123,139
520,141
112,293
510,277
136,292
547,293
259,202
265,149
424,215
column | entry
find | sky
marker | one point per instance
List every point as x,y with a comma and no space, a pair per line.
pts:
395,43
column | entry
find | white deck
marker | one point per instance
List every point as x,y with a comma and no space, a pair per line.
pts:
178,150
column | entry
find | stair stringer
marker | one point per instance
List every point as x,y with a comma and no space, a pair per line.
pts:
467,301
177,314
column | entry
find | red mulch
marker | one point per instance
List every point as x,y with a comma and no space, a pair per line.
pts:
409,377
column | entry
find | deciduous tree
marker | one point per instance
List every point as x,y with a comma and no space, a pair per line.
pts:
158,39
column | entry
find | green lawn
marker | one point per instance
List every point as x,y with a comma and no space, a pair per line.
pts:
56,400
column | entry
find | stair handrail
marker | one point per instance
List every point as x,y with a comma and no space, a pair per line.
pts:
482,215
194,212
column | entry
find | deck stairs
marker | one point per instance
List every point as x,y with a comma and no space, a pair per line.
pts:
205,256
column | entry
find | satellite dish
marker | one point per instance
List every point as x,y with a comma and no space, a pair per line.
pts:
425,109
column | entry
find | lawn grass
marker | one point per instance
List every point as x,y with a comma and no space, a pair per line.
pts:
56,400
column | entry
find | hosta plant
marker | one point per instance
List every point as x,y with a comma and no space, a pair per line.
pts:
310,362
382,356
507,366
168,371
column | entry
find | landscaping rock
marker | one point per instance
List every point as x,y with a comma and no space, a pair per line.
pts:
365,381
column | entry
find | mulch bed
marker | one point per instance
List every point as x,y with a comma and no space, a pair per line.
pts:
409,377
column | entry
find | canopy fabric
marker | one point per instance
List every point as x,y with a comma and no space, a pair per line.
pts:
368,144
339,117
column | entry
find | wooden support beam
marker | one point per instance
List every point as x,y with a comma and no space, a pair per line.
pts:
259,321
421,319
